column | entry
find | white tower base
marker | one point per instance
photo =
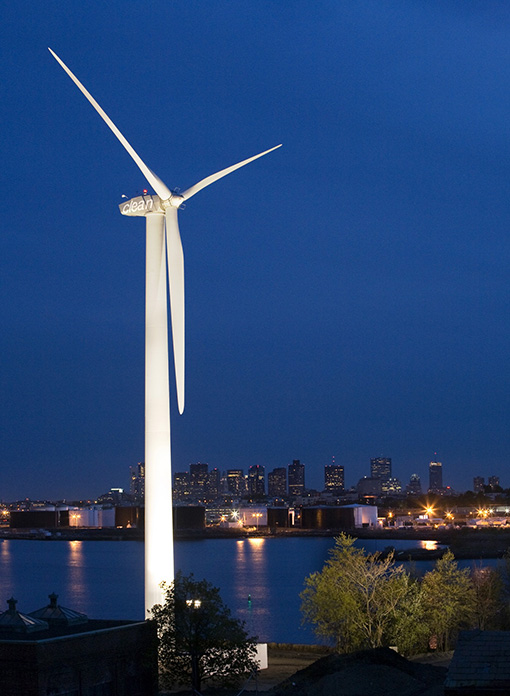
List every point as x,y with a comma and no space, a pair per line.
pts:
159,552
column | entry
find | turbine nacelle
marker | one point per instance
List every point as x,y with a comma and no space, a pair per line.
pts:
140,206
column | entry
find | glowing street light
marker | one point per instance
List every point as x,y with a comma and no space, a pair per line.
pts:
257,515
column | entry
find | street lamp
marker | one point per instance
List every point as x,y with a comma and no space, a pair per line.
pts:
194,604
257,515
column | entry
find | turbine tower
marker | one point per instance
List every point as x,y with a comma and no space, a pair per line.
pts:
160,212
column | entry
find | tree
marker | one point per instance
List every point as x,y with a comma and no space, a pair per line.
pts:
354,599
449,600
199,640
489,603
410,630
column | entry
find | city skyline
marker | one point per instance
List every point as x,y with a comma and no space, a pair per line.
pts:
279,481
349,301
200,483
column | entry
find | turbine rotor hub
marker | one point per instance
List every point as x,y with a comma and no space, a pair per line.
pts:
175,200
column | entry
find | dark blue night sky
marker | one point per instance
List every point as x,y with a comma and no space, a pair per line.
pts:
346,296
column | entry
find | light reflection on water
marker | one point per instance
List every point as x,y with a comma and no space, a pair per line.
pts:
101,579
251,583
105,579
5,550
77,581
6,584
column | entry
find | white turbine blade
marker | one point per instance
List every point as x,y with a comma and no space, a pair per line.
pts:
161,189
214,177
176,285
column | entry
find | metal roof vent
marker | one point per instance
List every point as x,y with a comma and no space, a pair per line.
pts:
55,615
15,621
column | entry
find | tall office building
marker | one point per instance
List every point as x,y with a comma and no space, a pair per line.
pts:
494,482
181,487
277,483
391,486
235,482
380,467
296,478
213,484
435,477
414,485
257,480
334,479
478,484
198,478
223,483
137,481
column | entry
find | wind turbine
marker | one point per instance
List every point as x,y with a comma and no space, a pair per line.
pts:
160,212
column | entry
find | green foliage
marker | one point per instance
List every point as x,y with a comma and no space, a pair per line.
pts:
328,602
354,599
504,572
449,600
199,640
489,600
410,630
362,600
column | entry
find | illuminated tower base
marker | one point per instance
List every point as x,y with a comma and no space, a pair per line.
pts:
159,550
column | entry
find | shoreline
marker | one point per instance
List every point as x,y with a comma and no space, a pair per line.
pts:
464,543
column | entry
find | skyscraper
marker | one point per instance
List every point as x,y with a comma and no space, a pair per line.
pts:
235,482
435,477
137,481
334,479
213,484
296,477
181,487
198,478
257,480
414,485
391,486
380,467
494,482
277,482
478,484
